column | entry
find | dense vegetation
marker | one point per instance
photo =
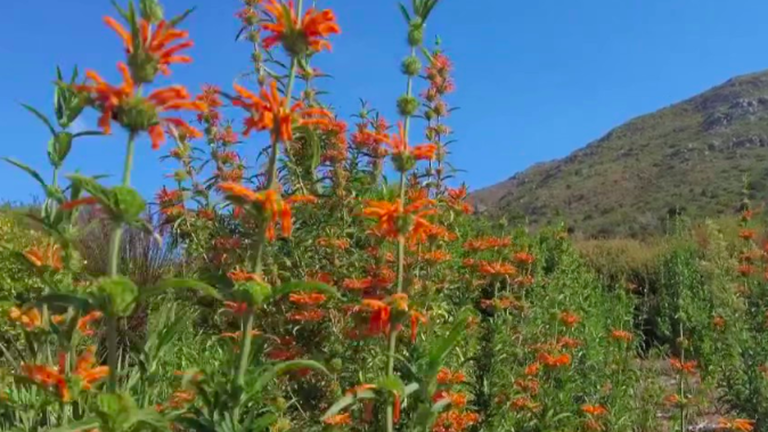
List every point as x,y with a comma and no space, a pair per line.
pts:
691,158
312,292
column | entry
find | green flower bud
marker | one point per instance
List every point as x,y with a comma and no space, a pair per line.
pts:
407,105
416,33
58,148
403,162
335,365
151,11
411,66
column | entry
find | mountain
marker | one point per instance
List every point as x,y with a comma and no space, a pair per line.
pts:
690,158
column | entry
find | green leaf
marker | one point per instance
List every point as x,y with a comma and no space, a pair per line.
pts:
128,204
79,303
59,147
169,284
29,171
80,425
392,384
405,13
348,400
301,286
42,118
253,292
284,367
263,422
88,133
178,19
120,294
120,10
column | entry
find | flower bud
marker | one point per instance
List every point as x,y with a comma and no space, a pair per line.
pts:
151,11
58,148
416,32
411,66
407,105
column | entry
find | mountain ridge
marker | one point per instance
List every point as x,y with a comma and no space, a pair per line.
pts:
688,157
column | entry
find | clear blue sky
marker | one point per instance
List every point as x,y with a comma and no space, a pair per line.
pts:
536,79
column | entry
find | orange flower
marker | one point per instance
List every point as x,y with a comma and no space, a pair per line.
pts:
528,385
718,322
455,421
339,419
137,113
238,335
485,243
554,361
269,201
524,403
532,369
237,308
46,256
746,270
307,299
357,284
181,398
284,27
87,375
326,242
672,400
269,111
734,425
29,318
416,319
398,142
311,315
568,343
622,335
594,410
240,275
394,219
524,258
156,42
458,400
747,234
497,269
455,198
380,315
437,256
569,319
445,376
688,367
84,323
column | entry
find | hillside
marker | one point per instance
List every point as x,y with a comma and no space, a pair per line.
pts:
691,156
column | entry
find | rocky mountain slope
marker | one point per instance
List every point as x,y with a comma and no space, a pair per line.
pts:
689,158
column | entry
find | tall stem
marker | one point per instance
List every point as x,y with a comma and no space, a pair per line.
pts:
114,263
400,261
247,338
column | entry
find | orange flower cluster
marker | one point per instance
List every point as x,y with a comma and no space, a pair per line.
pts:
747,234
496,269
554,361
500,303
333,243
735,425
45,256
270,111
688,368
622,336
569,319
455,198
238,275
137,113
311,299
524,403
445,376
50,377
718,322
395,219
171,203
485,243
154,50
381,314
593,412
435,256
273,206
339,420
283,26
29,318
524,258
310,315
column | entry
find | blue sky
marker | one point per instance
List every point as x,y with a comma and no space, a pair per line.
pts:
535,79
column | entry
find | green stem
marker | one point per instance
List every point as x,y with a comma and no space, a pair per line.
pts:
400,261
245,350
114,265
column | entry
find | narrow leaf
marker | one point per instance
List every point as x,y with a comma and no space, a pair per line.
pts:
169,284
42,118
